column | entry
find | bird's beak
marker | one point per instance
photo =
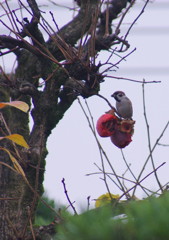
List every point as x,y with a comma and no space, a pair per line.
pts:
112,95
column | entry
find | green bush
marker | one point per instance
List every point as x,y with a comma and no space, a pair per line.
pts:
145,220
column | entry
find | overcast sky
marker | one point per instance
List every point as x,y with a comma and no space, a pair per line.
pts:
72,147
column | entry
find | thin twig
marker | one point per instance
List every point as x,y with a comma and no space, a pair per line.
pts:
99,95
30,223
117,63
104,173
123,16
107,19
132,80
124,175
67,196
101,172
128,168
142,11
13,227
101,153
100,147
163,145
148,136
156,143
108,174
123,178
138,183
124,58
88,203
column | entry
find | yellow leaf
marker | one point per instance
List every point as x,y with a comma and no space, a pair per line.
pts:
17,104
17,138
15,162
106,199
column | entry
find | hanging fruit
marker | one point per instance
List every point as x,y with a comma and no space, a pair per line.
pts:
119,130
106,125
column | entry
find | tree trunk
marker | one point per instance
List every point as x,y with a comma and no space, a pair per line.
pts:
13,190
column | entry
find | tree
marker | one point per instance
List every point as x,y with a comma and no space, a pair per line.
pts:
66,66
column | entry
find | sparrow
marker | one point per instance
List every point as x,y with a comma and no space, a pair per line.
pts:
123,105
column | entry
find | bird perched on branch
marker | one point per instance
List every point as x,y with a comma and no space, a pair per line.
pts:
123,105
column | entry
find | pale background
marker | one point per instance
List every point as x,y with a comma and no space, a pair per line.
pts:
72,147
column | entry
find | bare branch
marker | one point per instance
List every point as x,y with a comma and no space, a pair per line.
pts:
138,182
142,11
149,141
67,196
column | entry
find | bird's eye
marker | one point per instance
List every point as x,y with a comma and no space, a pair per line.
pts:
120,94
